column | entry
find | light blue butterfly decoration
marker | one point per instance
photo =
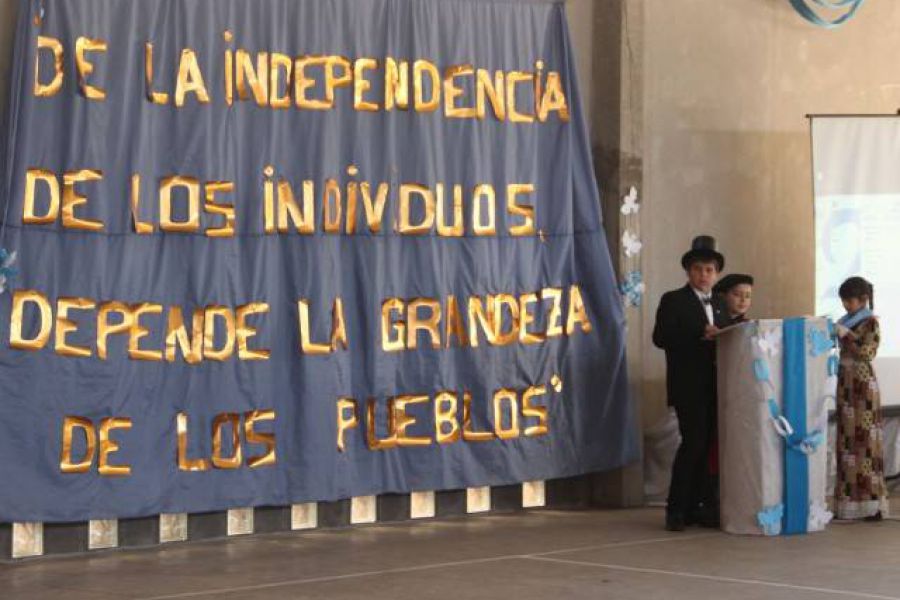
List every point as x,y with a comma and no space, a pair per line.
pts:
770,519
807,444
761,370
820,342
8,273
632,288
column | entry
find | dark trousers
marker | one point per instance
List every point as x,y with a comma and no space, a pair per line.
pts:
692,483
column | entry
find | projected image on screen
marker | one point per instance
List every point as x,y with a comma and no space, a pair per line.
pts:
860,235
856,182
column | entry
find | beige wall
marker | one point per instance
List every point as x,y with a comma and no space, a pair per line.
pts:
727,86
580,15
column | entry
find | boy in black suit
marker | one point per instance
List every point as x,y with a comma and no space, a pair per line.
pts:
686,323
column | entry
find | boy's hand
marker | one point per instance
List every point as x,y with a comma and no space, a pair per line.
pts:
710,332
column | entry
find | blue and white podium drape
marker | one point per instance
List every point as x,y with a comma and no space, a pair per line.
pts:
775,380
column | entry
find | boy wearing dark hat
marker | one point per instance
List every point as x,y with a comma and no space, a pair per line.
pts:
686,322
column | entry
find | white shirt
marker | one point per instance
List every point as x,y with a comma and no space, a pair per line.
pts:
706,299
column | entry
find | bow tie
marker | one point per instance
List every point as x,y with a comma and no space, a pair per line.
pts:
706,300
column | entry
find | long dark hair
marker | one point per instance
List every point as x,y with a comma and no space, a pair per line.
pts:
857,287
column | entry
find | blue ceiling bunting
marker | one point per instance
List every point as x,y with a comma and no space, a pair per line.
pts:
808,12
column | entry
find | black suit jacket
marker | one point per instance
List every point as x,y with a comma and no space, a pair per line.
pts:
690,360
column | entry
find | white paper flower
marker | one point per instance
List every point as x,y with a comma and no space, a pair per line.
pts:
631,243
819,517
769,342
630,202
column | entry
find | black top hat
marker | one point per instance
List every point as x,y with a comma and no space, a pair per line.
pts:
703,249
729,281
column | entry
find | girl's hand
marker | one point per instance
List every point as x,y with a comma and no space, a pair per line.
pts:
843,332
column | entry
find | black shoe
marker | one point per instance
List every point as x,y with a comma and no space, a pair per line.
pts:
710,520
674,521
692,517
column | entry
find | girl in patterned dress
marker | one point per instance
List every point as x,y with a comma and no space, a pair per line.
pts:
860,492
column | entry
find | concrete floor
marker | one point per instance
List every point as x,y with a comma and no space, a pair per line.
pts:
542,554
